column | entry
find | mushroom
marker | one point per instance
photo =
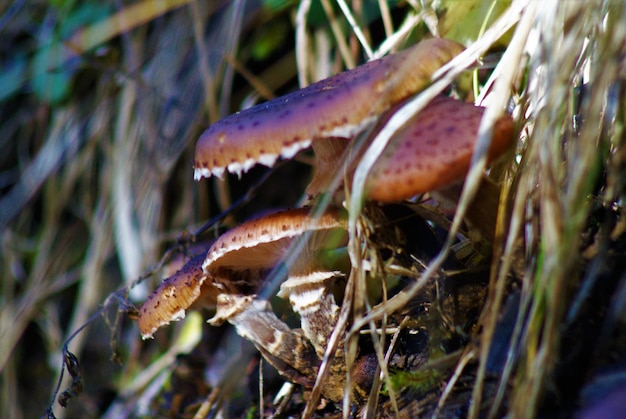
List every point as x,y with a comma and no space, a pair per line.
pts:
264,242
338,107
433,150
261,244
432,153
235,261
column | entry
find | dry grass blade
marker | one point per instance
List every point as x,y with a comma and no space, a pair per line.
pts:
302,44
126,19
57,219
355,28
571,164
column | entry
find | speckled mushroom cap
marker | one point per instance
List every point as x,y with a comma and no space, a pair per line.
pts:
433,151
339,106
263,242
175,294
237,256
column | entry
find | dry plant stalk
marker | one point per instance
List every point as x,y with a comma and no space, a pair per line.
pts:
560,169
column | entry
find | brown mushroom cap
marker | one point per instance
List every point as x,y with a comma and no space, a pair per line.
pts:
263,242
234,260
339,106
170,300
433,151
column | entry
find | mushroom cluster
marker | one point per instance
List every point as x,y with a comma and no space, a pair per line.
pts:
323,115
235,263
230,273
432,151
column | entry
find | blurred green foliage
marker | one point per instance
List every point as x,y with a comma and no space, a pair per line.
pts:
48,71
464,20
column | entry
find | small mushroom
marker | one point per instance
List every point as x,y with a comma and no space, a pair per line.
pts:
264,242
235,261
261,244
340,106
287,350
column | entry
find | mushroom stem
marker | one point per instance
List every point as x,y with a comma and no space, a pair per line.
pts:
310,294
329,157
285,349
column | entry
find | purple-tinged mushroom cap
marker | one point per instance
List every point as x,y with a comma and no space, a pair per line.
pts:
433,151
340,106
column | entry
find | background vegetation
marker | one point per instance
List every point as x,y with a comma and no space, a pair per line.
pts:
101,104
